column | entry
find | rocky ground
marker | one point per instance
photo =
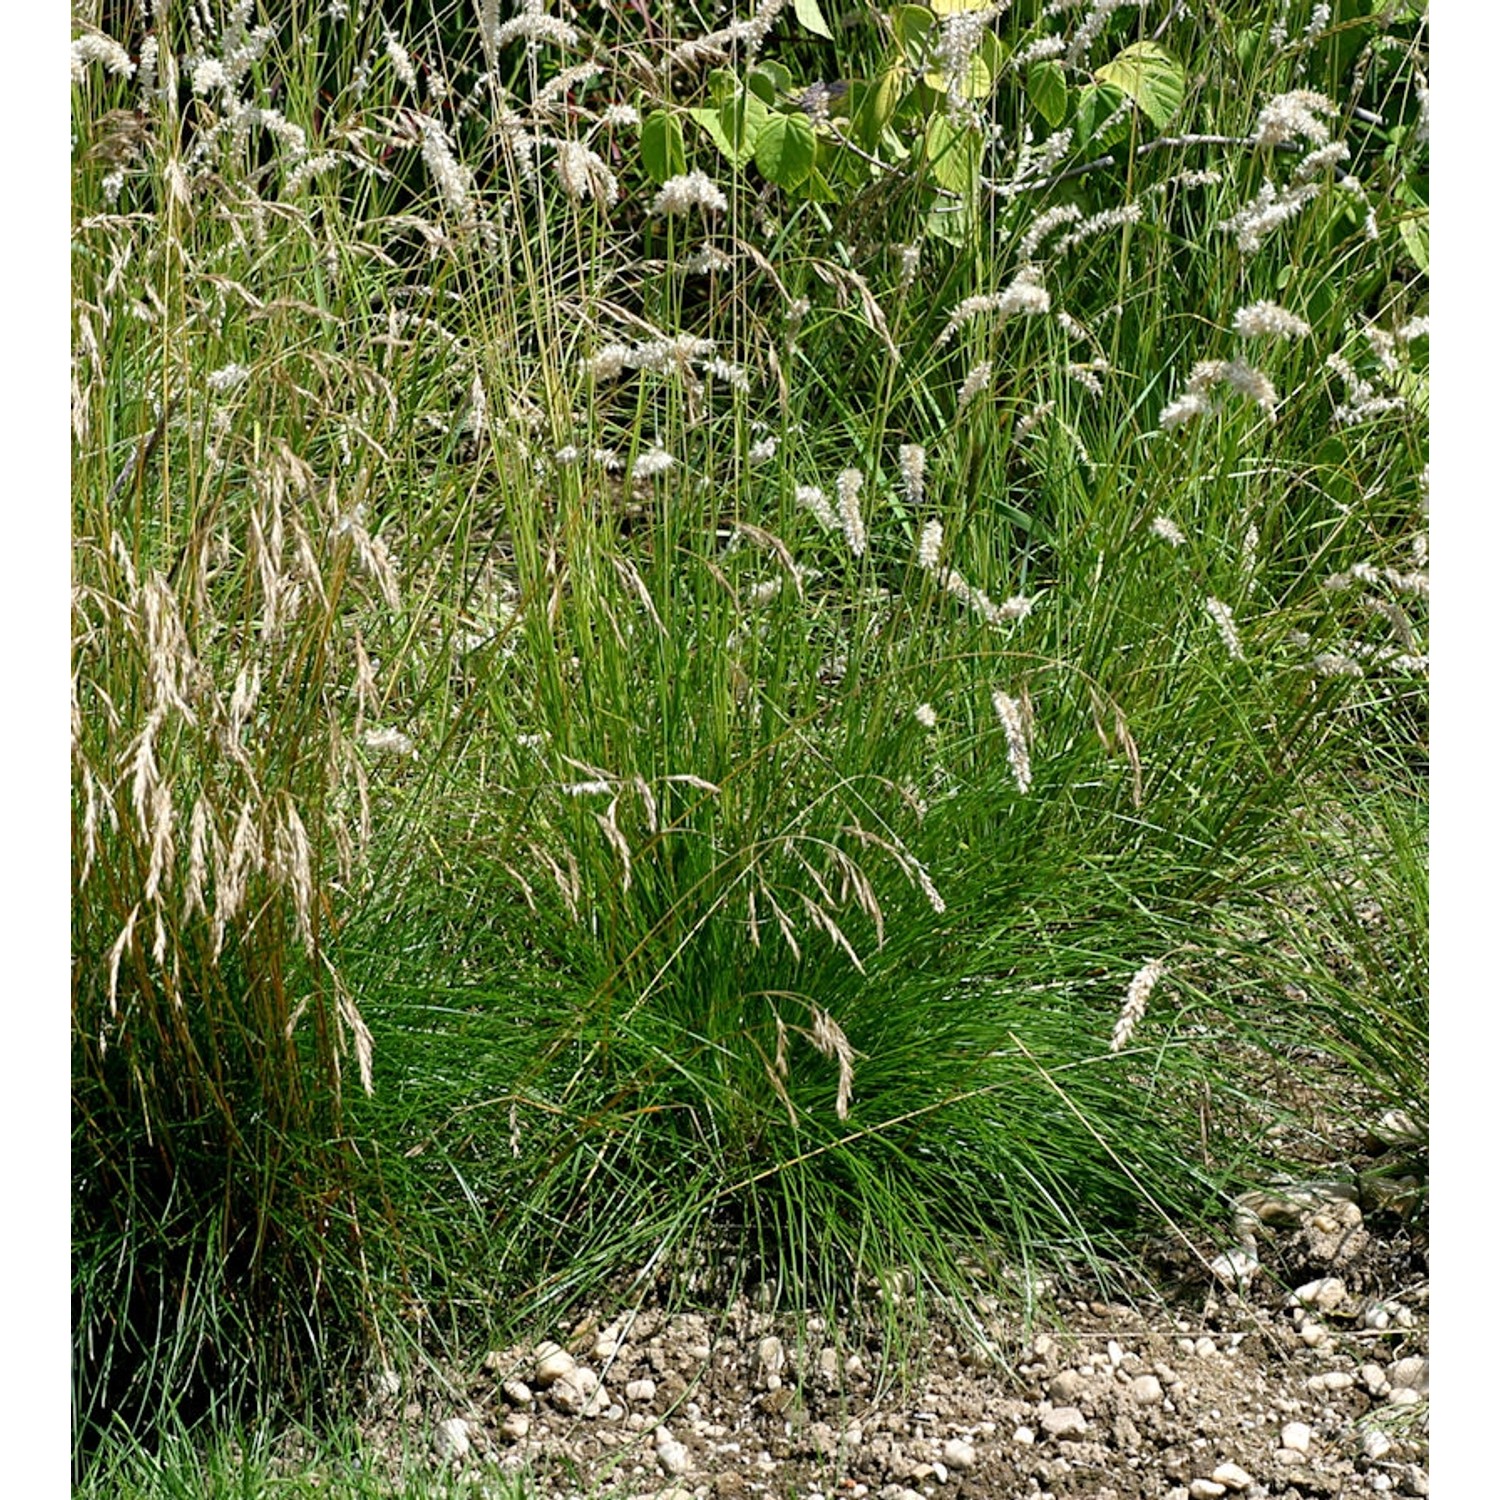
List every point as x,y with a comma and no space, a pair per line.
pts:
1294,1367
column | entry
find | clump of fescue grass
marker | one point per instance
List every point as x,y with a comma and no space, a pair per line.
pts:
537,660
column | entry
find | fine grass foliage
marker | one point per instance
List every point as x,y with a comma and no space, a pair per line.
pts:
661,644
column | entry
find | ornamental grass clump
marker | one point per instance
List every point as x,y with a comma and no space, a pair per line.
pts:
644,666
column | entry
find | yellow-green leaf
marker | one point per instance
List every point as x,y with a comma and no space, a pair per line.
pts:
1151,76
952,155
875,106
811,17
1413,232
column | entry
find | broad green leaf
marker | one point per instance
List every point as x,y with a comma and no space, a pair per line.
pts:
784,149
710,121
1150,75
875,105
744,119
916,30
662,151
1097,102
976,84
811,17
893,147
734,128
817,188
723,86
1047,88
769,80
952,155
978,79
1413,232
950,221
996,53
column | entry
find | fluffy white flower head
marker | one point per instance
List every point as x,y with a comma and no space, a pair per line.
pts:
679,195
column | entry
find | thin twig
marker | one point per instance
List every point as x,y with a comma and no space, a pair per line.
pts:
1158,144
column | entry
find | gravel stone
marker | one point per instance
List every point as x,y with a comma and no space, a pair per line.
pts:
1375,1444
516,1392
1066,1386
515,1426
1324,1294
1414,1481
640,1392
552,1363
451,1440
959,1455
1232,1477
1145,1390
1064,1423
673,1456
1297,1436
1235,1267
1410,1373
1205,1489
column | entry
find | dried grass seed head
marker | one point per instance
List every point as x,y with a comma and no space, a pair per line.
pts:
1223,618
912,460
1265,319
847,486
1134,1006
1018,752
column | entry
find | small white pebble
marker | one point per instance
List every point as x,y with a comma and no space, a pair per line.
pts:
451,1440
1205,1489
1325,1294
1297,1436
1146,1390
1232,1477
959,1455
1024,1435
1375,1444
1205,1348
